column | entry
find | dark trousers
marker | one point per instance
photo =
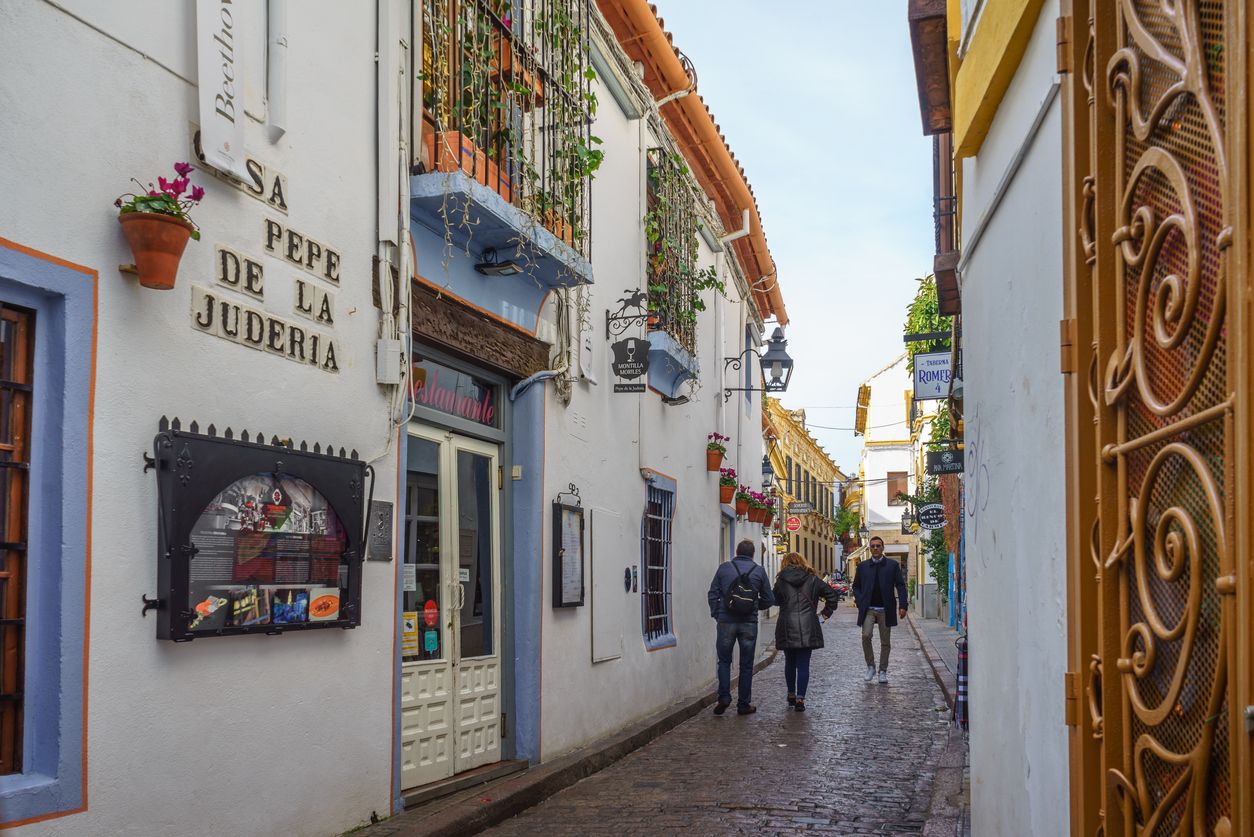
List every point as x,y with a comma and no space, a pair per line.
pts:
730,634
797,670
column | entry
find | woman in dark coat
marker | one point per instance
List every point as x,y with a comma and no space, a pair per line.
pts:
797,632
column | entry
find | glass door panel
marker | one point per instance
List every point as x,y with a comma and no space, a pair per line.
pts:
474,554
420,577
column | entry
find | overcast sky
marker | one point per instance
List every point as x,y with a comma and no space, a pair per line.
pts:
818,103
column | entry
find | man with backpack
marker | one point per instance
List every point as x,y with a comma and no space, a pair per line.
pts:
739,590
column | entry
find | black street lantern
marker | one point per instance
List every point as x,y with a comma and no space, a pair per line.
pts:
776,366
776,363
768,473
863,534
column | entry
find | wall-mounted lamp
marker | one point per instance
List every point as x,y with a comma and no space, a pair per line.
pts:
776,365
493,266
768,473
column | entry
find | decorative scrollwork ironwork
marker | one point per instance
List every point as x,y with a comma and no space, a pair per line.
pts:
619,321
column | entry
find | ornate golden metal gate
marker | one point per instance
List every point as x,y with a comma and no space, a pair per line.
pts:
1157,343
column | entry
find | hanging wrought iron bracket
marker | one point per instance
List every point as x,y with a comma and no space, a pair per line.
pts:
619,321
150,463
735,364
571,491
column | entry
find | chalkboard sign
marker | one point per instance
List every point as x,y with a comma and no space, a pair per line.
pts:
568,552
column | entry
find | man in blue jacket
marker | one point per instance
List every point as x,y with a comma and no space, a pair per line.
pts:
739,590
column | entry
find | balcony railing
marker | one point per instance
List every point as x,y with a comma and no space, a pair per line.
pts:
506,100
671,248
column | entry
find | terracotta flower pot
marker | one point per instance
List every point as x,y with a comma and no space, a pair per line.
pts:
713,459
756,514
726,493
768,519
742,506
157,242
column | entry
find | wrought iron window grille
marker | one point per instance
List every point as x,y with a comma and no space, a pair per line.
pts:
672,247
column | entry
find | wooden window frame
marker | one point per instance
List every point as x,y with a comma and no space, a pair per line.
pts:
18,389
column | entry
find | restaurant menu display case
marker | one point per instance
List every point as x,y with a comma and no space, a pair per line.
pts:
255,537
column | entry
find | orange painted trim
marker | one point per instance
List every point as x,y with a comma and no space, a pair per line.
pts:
91,429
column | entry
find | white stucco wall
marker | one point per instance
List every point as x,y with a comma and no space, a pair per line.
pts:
251,735
602,440
1012,301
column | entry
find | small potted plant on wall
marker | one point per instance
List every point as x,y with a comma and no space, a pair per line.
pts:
757,507
768,513
742,500
726,484
156,224
715,450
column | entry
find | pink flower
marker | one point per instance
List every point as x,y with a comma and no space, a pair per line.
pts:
183,169
197,193
179,186
166,186
152,193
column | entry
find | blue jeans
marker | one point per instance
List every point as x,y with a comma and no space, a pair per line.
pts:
744,634
797,670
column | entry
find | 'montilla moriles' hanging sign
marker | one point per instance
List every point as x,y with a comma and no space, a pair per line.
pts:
630,363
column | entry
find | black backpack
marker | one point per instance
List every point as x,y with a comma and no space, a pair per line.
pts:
741,598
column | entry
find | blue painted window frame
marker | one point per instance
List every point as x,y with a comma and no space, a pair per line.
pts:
53,780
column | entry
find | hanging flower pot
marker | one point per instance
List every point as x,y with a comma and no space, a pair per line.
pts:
156,224
742,500
755,514
726,493
715,450
768,518
157,242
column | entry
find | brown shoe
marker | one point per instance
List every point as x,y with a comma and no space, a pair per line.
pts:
746,710
720,708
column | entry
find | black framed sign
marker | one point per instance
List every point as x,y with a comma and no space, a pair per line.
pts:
944,462
255,537
568,558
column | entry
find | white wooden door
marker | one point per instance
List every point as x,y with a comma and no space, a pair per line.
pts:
450,618
476,573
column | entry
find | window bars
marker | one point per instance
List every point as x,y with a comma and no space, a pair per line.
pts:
16,350
507,99
671,242
656,549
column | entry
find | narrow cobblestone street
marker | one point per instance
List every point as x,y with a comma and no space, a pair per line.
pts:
861,760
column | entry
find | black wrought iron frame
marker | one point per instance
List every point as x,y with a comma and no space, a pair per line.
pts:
192,468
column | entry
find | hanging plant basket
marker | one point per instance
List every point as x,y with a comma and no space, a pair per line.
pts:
756,513
157,242
713,459
768,519
742,506
726,493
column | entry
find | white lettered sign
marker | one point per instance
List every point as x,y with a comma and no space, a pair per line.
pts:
219,56
932,373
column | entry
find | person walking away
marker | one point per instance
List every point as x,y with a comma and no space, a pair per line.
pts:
797,632
738,591
873,585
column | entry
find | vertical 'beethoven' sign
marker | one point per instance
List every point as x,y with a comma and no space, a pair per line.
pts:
219,57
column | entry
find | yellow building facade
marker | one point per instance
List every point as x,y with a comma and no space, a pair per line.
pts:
808,487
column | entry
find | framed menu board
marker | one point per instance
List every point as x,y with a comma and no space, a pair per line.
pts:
568,557
255,537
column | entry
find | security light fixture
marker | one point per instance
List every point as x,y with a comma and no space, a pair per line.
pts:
776,366
493,266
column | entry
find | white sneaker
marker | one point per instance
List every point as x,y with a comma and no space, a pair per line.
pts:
883,677
870,673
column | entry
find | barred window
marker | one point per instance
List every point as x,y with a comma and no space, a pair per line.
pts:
656,556
16,350
670,230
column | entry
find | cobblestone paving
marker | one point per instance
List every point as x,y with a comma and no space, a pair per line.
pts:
861,759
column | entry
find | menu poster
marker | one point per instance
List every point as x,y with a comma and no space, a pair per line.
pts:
324,604
568,585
